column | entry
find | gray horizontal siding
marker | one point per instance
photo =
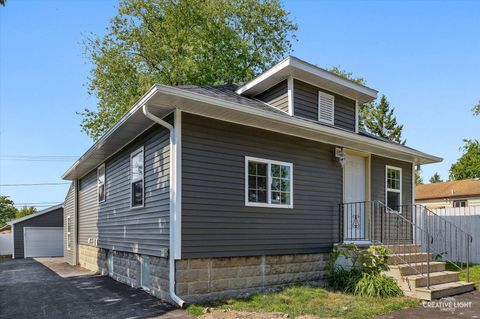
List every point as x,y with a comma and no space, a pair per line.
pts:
276,96
215,220
378,165
305,104
50,219
392,229
69,210
118,226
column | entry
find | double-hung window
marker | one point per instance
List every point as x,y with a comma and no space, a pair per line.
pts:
101,183
268,183
393,182
136,178
69,232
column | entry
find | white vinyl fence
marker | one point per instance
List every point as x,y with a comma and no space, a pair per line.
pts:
468,219
5,244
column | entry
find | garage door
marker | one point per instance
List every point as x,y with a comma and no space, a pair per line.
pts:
43,241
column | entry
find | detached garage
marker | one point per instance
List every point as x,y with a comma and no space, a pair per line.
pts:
39,234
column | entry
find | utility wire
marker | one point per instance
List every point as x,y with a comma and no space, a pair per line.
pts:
33,184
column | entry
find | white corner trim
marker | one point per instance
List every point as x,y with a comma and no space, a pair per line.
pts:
177,216
269,181
357,116
290,95
13,241
413,183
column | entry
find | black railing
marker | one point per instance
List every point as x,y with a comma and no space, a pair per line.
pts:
438,239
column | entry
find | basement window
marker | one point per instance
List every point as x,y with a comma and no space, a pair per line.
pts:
101,183
137,178
268,183
393,183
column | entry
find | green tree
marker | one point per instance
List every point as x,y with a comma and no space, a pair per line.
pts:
25,211
199,42
375,118
7,210
2,2
476,109
435,178
381,121
468,165
418,178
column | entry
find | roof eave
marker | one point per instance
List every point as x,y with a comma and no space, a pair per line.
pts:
292,65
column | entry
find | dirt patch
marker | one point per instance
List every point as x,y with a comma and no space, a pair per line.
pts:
230,314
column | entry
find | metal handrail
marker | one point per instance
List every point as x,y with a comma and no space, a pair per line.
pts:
420,223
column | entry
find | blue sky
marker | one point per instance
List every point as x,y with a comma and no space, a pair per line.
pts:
424,56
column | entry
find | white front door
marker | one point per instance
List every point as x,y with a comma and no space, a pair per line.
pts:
354,197
43,241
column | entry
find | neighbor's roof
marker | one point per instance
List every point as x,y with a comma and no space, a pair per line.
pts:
47,210
225,103
462,188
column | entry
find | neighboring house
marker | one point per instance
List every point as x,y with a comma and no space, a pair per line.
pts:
39,234
203,192
7,229
463,193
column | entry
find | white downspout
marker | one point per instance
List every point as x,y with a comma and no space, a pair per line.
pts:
173,207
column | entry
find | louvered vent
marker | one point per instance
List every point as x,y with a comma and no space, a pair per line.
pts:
325,107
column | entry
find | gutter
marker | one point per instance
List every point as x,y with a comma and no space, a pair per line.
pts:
174,210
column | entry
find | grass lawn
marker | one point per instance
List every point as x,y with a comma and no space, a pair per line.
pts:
474,273
319,302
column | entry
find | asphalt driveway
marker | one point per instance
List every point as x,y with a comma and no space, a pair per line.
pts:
53,289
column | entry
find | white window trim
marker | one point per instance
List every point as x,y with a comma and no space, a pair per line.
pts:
104,182
320,93
69,233
387,167
269,198
136,152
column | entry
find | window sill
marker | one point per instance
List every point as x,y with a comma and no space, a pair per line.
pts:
268,205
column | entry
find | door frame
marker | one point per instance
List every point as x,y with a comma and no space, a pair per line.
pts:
35,227
368,183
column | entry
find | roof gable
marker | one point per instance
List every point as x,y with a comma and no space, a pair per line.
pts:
462,188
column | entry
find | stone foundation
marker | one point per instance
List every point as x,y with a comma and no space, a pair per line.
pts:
127,268
216,278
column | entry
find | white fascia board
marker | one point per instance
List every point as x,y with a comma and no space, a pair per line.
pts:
299,64
112,130
35,214
327,130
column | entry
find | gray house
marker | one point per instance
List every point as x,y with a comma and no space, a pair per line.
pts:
39,234
203,192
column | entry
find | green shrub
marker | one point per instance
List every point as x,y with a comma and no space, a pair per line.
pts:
364,277
377,285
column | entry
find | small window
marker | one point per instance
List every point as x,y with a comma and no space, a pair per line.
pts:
393,187
326,107
101,183
69,232
459,203
268,183
136,178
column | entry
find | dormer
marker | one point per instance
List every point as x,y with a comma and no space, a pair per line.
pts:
307,91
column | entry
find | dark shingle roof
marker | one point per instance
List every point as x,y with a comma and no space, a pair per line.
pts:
227,92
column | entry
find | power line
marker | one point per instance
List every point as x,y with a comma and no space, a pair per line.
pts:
38,158
38,204
33,184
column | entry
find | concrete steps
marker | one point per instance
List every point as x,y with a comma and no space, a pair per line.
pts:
408,266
